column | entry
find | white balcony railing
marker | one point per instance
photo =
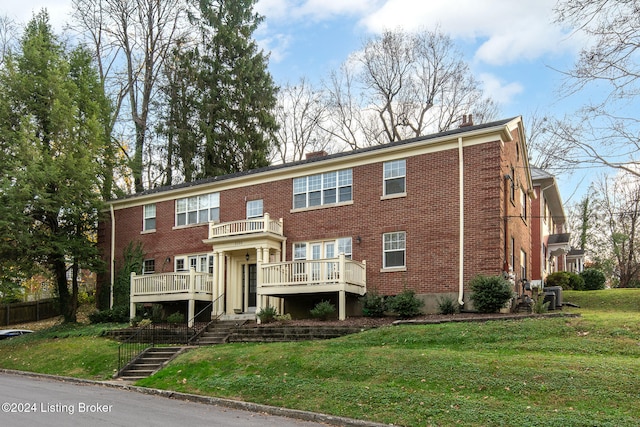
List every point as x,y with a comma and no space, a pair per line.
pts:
331,271
246,226
171,283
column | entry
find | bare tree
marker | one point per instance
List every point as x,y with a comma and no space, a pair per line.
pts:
403,85
131,39
609,128
300,114
547,148
8,36
618,201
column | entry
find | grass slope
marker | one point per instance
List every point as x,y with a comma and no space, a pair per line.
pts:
533,372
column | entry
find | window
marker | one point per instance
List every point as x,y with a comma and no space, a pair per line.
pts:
149,222
202,263
323,249
322,189
523,264
254,209
512,190
198,209
523,200
149,266
395,177
512,257
394,246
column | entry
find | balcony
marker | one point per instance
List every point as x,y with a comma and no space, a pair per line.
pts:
246,227
171,286
312,276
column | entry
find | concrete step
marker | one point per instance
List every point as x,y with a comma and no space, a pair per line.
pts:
149,362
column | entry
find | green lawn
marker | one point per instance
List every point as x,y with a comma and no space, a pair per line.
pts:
582,371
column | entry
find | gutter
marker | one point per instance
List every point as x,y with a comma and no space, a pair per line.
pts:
113,252
461,231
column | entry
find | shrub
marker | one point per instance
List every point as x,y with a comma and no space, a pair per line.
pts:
594,279
447,305
576,282
566,280
267,314
176,317
373,305
539,306
118,314
283,318
559,278
323,310
490,293
405,304
144,322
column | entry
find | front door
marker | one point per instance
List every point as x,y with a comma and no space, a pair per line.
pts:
250,281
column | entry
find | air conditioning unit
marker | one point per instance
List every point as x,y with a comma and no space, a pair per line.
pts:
557,290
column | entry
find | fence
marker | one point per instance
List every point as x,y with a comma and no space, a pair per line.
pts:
32,311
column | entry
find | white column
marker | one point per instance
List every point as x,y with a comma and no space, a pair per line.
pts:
214,285
132,305
191,311
342,305
221,259
258,281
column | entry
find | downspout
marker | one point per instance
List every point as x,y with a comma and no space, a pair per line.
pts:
113,252
461,231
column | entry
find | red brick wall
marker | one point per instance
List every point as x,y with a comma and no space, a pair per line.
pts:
429,215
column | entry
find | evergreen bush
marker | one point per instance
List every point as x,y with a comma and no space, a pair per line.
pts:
323,310
447,305
267,314
373,305
594,279
118,314
405,304
176,318
490,293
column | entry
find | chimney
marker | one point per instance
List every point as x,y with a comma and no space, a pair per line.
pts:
466,120
315,154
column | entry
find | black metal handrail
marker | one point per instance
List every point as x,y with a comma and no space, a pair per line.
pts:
160,333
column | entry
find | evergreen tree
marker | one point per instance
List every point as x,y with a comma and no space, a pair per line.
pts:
51,140
233,94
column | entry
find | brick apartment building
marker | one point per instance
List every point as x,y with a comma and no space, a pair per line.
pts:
425,214
551,244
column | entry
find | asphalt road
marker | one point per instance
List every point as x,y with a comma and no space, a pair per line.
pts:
28,401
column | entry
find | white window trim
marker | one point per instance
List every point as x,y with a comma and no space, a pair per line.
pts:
337,186
197,210
385,178
384,251
145,218
248,209
186,259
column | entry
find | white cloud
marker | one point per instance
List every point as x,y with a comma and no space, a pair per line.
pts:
314,10
506,30
501,92
23,10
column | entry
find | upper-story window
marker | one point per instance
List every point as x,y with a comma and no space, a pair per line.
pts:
395,177
149,222
254,209
322,189
198,209
523,201
394,248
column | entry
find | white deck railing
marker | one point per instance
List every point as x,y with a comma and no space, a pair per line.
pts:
246,226
171,283
315,272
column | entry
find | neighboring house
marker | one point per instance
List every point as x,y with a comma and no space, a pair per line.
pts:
550,242
425,214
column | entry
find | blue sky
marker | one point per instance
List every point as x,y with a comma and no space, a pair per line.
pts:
513,47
